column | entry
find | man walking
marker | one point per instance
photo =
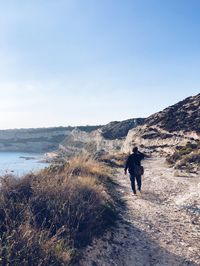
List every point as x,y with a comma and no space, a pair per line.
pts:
133,164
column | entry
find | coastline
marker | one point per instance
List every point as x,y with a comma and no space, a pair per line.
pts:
20,163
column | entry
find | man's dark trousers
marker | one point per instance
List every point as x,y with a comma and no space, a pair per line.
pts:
139,182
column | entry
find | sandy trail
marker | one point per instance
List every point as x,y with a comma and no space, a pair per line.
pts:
160,228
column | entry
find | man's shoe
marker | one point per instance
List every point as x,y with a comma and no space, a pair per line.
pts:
139,194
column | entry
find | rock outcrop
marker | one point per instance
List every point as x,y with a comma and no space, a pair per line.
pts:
163,131
154,139
183,116
106,139
119,129
92,142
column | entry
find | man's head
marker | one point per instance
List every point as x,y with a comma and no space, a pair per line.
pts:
135,149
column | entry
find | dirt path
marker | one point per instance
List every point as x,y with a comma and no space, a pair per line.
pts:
160,228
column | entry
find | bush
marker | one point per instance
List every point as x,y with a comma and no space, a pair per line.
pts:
186,157
46,217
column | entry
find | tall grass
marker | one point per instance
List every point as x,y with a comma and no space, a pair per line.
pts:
46,217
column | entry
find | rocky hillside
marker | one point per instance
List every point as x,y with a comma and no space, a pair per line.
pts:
185,116
92,143
36,139
108,138
154,139
163,131
159,133
119,129
171,132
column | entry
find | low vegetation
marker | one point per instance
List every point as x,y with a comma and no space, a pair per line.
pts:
48,217
186,157
114,160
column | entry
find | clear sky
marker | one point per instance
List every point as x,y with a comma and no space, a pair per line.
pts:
77,62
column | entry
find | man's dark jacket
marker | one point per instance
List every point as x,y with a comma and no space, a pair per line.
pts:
134,159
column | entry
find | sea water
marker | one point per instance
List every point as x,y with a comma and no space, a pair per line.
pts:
20,163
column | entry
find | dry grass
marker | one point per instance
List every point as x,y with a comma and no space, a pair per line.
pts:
84,165
186,157
45,218
114,160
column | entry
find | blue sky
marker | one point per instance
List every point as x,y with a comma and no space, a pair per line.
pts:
77,62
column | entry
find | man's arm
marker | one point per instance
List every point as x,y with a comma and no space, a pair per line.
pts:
142,155
127,165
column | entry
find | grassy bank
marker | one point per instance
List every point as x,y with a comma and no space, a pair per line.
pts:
186,157
47,218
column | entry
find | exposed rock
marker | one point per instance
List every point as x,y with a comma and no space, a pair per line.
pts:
185,115
119,130
162,141
92,142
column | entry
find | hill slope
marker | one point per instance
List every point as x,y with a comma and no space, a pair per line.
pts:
119,129
163,131
185,115
36,139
